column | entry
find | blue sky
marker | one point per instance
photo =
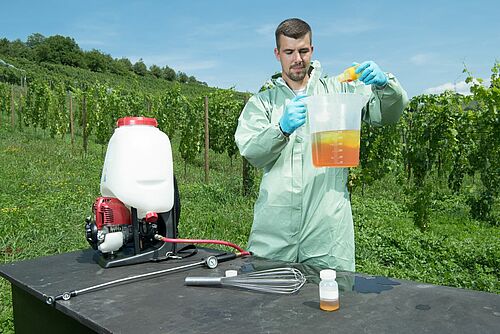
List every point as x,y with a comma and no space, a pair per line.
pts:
230,43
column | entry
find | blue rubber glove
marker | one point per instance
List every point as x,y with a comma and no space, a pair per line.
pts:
371,74
294,115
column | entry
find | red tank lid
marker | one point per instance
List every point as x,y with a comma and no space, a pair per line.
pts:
137,121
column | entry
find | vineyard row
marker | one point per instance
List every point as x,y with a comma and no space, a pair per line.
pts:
440,137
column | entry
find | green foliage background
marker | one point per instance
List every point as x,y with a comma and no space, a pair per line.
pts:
44,204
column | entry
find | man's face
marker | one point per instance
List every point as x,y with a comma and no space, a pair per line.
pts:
295,57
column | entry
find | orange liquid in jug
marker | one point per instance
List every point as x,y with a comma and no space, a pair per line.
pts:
339,148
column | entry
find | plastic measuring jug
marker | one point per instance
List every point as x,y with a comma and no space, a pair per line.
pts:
335,121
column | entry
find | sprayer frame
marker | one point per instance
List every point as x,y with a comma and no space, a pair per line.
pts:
129,254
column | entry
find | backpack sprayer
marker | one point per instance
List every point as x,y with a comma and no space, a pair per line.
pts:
136,218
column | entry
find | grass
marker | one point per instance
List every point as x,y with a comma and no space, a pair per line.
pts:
48,187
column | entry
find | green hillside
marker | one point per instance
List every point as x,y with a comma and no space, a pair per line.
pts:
26,71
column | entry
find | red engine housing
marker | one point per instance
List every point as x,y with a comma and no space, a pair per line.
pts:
110,211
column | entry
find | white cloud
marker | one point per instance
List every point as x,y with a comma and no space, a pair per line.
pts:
218,30
421,59
266,29
95,27
93,34
460,87
345,27
194,65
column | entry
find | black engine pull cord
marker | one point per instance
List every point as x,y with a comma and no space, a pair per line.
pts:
210,262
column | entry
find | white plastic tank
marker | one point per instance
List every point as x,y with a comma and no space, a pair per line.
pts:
138,167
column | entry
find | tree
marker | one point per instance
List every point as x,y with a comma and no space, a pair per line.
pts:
140,68
192,79
182,77
155,71
59,50
97,61
168,73
34,40
19,49
5,46
122,66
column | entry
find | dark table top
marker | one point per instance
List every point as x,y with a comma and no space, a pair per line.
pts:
164,304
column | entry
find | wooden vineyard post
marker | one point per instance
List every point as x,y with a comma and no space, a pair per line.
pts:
12,107
22,104
71,121
206,140
84,122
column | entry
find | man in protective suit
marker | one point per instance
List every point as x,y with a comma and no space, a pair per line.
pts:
303,214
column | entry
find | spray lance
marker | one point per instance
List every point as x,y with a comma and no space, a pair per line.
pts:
210,262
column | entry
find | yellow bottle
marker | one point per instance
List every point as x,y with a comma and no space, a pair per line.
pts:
349,74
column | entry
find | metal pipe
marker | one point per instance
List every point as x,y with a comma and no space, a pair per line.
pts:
210,262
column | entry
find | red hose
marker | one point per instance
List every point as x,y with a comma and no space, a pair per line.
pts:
203,241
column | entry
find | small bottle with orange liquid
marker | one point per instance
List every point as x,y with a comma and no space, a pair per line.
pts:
349,74
328,290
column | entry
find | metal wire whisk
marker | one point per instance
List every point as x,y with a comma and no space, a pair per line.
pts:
279,280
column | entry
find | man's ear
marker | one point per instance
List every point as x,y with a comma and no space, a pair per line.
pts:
277,54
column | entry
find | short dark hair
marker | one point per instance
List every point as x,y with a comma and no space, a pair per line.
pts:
293,28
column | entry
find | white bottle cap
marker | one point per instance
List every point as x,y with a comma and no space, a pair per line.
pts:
231,273
327,274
